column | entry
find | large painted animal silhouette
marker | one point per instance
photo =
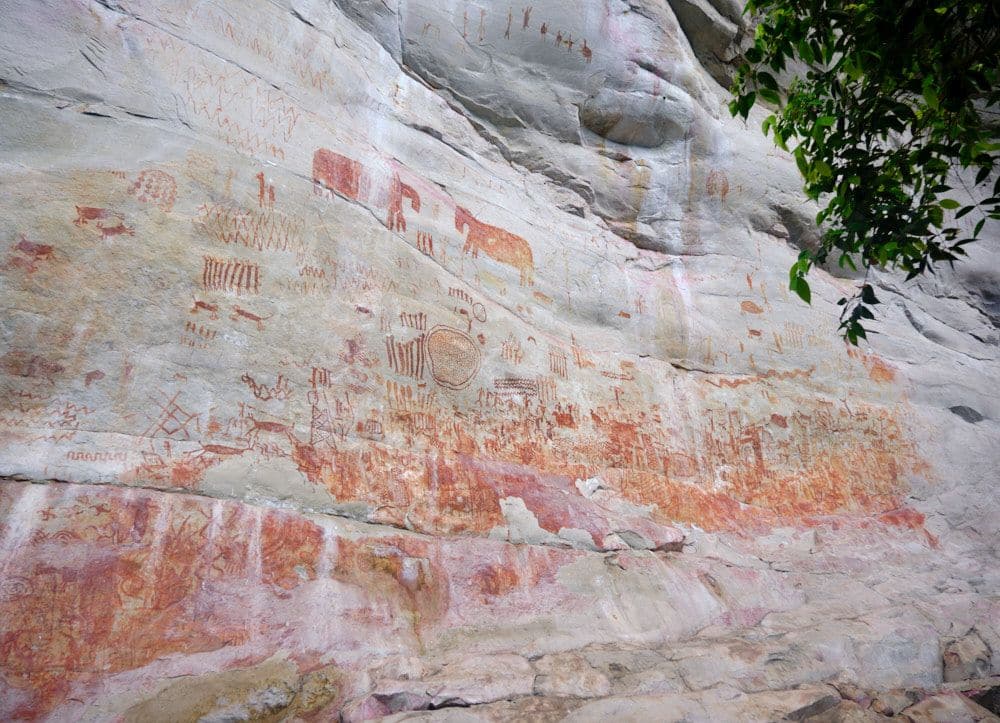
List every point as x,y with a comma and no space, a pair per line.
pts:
498,243
351,179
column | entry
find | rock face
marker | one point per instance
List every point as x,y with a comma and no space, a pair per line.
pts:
376,358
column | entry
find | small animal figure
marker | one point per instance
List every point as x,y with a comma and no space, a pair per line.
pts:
240,312
86,214
213,309
109,231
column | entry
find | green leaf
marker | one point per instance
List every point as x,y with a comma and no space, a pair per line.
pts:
930,94
854,71
868,295
826,120
805,52
822,169
949,203
767,80
935,216
802,289
754,54
800,161
771,96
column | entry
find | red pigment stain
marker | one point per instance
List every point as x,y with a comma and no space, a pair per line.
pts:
910,519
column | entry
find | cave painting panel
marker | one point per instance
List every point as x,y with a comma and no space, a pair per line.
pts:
404,428
384,188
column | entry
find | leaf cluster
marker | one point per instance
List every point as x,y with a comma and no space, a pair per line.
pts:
894,98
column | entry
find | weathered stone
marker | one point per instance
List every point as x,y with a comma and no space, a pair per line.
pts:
470,681
947,708
766,706
542,710
370,707
989,630
569,674
318,689
966,658
637,121
853,692
261,693
355,354
984,691
715,29
899,652
891,702
847,711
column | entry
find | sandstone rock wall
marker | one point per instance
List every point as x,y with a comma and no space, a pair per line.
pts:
360,357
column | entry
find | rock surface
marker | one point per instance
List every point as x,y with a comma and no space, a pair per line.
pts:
424,359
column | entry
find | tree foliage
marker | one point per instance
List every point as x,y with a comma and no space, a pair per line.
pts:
893,99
